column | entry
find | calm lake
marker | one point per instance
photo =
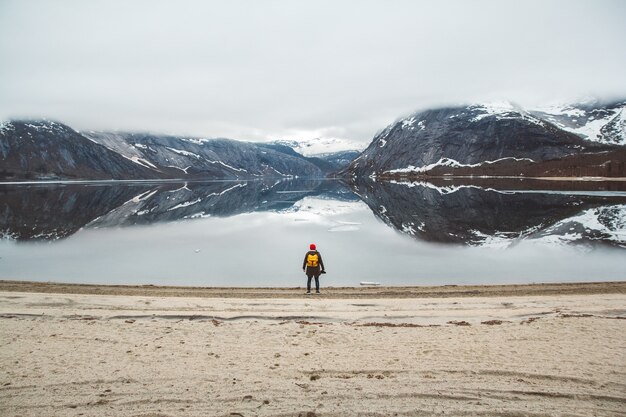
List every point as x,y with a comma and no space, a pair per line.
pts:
256,233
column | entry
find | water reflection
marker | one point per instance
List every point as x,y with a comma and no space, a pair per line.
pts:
500,213
478,214
255,233
48,212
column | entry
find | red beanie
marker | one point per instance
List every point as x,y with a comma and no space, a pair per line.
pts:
312,246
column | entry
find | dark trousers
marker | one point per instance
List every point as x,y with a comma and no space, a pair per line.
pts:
317,283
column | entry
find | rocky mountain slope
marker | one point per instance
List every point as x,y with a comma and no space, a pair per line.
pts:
206,158
481,135
587,164
42,149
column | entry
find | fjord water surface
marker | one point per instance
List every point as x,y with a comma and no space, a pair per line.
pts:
255,233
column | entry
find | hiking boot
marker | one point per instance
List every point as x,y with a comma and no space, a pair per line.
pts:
317,292
308,293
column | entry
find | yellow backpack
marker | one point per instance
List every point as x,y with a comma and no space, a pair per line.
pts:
312,259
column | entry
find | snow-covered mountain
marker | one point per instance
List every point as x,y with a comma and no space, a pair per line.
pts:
48,150
41,149
322,147
328,163
206,158
483,134
591,120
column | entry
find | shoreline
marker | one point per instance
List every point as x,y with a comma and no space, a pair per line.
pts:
382,292
382,177
504,177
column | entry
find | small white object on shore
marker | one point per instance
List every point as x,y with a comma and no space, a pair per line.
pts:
370,283
197,250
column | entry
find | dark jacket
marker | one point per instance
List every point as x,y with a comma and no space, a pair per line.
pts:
313,270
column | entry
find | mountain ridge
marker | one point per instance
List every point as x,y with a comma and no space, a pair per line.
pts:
477,139
44,150
483,133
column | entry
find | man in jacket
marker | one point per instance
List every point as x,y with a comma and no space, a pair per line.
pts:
313,266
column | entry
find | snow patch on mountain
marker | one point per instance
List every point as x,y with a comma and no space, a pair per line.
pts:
226,165
46,125
409,228
501,111
185,204
182,169
140,161
196,141
6,126
448,162
408,123
185,153
591,131
589,120
114,143
563,109
200,215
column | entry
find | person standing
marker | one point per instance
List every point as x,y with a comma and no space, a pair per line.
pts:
313,266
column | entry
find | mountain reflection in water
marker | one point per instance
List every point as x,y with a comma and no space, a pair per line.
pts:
251,233
443,213
57,211
480,215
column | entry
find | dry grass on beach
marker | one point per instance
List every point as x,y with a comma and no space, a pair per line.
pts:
64,354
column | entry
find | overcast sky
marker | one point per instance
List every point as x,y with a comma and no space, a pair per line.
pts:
257,70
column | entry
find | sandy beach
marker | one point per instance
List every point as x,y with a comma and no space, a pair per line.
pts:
534,350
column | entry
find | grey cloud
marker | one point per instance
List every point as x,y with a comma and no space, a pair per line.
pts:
261,69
